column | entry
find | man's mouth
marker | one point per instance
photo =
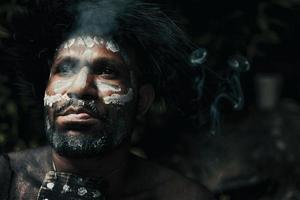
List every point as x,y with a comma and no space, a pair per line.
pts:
76,116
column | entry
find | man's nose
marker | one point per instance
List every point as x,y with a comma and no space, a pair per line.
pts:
83,86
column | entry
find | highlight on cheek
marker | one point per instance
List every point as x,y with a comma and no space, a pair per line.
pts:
119,99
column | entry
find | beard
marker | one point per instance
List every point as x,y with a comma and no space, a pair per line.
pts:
98,140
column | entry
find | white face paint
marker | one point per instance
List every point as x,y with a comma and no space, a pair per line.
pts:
81,78
79,42
90,42
97,41
104,87
110,45
61,85
49,100
69,43
119,99
88,54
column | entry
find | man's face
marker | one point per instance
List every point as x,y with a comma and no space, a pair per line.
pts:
90,99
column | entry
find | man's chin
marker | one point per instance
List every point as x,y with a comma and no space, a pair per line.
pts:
78,144
78,133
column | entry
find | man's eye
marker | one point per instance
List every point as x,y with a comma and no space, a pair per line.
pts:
106,72
65,69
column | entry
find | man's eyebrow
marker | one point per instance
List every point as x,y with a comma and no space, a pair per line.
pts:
67,59
109,62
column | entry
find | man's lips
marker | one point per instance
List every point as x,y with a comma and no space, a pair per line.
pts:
76,116
76,110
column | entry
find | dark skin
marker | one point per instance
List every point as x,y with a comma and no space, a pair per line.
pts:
111,164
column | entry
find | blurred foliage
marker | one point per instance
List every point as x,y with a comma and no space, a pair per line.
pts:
7,8
255,30
9,126
15,133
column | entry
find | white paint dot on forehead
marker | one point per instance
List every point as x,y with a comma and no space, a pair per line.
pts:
96,40
89,42
112,46
79,41
119,99
71,42
66,46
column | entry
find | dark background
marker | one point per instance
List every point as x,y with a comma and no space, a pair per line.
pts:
256,155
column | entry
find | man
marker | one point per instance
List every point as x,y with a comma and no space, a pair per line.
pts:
110,61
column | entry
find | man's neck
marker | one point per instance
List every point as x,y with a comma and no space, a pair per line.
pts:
110,166
99,166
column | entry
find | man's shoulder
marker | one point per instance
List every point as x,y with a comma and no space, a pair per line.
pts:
23,169
32,160
15,161
31,154
163,183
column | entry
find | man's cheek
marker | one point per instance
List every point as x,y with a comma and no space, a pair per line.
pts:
49,113
119,123
119,99
60,86
49,119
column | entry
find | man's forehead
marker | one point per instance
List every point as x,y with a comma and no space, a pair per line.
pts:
96,51
90,42
89,48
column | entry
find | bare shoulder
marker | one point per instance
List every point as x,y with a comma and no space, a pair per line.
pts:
30,154
34,162
152,180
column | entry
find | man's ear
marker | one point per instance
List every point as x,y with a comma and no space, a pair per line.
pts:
145,100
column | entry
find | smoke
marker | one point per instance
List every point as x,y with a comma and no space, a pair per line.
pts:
98,17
